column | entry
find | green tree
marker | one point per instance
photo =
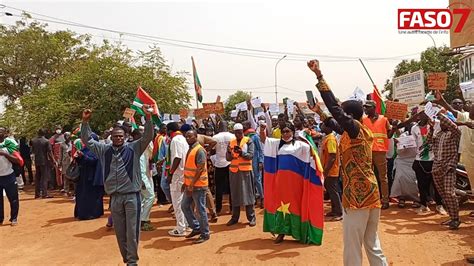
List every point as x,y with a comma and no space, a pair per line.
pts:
31,56
106,82
237,97
431,60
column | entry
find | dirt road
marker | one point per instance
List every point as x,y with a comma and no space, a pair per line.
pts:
47,234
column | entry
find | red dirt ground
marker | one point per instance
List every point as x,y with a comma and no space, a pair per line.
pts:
47,234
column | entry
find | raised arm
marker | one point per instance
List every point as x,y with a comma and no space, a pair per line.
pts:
268,120
343,119
440,99
95,146
250,116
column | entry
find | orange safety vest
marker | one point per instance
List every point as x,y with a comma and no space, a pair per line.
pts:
238,163
379,130
190,169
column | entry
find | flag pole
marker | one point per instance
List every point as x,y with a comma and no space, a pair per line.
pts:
371,80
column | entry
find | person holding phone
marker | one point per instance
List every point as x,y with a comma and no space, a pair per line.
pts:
240,153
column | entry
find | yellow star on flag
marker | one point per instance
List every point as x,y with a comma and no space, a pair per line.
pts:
284,208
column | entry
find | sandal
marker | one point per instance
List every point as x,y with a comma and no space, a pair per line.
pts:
336,219
401,204
416,205
446,222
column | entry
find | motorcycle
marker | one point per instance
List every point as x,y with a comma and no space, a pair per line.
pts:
462,187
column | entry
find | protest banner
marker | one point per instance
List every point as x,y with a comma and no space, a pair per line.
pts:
214,108
437,81
201,113
128,113
183,113
396,110
409,88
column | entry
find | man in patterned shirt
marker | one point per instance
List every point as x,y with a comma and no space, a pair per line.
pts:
445,149
360,193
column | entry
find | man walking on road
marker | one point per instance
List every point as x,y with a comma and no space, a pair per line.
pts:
122,181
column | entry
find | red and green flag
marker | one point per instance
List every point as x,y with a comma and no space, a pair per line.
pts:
380,104
197,83
141,98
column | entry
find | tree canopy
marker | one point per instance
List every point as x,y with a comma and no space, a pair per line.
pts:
236,98
431,60
50,77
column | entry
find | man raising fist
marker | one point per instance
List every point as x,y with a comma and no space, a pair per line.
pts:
121,170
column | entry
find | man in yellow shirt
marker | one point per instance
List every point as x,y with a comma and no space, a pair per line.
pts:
330,161
276,133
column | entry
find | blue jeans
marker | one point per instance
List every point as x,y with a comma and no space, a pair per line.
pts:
165,187
257,175
199,197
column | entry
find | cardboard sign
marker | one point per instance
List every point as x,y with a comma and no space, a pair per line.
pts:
128,113
183,113
437,81
396,110
214,108
201,113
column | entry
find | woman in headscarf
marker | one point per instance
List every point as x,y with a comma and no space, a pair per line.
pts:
90,188
292,187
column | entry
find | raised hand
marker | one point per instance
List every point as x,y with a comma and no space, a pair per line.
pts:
86,115
147,109
314,66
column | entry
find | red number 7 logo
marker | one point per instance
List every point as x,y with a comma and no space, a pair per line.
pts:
464,12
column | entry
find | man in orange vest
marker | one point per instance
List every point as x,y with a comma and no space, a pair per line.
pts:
239,154
195,188
381,130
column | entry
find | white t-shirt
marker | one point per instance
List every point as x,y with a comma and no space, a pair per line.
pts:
179,149
223,139
6,167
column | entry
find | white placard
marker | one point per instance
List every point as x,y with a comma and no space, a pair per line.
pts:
431,111
176,118
406,142
358,94
409,88
274,108
166,116
241,106
234,113
290,104
256,102
467,89
189,121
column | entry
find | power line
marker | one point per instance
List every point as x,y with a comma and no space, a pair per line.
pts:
267,54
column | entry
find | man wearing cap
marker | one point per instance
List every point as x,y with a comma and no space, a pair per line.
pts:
240,154
381,131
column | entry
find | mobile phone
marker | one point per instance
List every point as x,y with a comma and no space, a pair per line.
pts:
310,97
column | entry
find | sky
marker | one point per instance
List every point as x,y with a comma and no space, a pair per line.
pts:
347,29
